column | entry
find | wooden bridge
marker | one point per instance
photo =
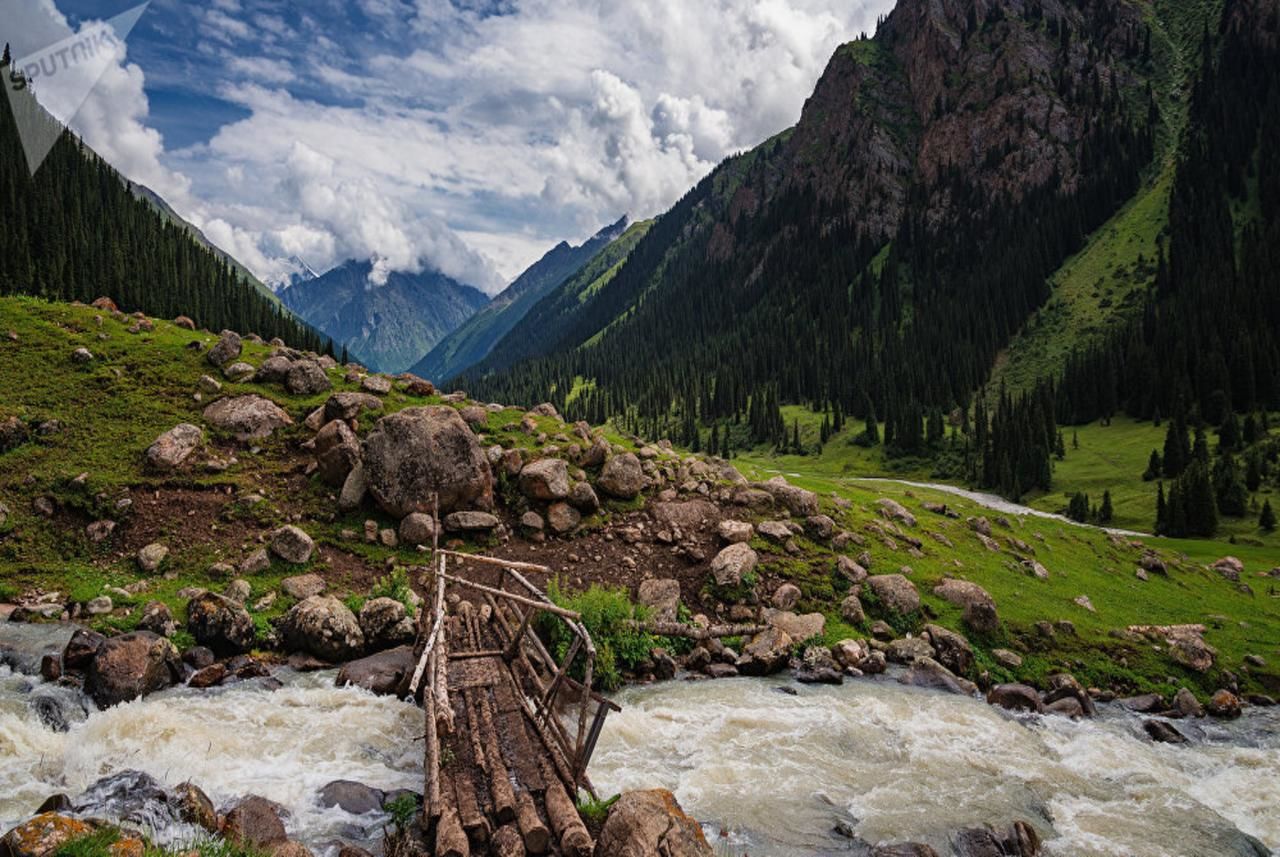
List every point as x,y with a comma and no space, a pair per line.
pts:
509,730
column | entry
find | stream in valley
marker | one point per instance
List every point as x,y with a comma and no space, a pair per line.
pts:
775,772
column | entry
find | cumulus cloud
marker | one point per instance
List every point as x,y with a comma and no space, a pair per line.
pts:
467,136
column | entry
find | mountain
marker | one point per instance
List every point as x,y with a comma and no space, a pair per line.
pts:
78,230
878,258
471,342
387,327
298,272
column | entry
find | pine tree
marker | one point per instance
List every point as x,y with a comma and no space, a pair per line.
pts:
1267,520
1154,467
8,57
1162,512
1105,513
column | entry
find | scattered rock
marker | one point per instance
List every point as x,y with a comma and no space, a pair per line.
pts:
249,417
385,624
735,532
1163,732
292,545
766,653
895,593
786,596
953,650
622,477
322,626
385,673
226,350
545,480
97,532
1016,697
470,522
172,449
927,672
798,627
158,619
895,511
732,563
337,452
377,384
151,557
661,596
905,650
797,501
255,821
417,528
1083,601
1229,567
851,610
563,518
306,378
1224,704
348,406
302,586
1186,704
255,563
43,835
220,624
81,649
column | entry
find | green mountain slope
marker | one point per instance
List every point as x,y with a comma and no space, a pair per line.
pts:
473,341
387,326
884,250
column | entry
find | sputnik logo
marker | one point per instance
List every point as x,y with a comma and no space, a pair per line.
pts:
63,75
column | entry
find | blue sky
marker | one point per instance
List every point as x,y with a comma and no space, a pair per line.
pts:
465,135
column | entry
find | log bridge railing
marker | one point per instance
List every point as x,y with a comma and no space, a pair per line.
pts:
509,729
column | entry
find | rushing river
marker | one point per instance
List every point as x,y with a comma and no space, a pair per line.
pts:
774,772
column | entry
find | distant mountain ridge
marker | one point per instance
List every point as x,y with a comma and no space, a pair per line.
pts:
473,341
385,327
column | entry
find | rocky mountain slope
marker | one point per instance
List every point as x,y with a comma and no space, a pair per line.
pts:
475,338
388,326
881,253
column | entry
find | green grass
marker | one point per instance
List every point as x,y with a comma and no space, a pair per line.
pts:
1081,561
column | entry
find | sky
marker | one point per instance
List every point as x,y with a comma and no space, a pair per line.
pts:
469,136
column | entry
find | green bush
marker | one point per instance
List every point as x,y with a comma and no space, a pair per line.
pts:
395,586
605,613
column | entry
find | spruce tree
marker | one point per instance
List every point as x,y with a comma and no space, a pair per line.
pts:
1105,513
1162,512
1154,467
1267,520
8,58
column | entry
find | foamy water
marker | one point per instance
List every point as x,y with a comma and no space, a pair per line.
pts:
776,772
284,745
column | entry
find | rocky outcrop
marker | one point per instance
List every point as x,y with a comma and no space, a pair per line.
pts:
646,823
130,666
421,453
322,626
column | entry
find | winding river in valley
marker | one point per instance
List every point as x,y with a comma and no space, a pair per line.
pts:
768,772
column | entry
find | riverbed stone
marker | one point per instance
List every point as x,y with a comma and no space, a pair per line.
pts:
651,822
895,593
43,835
385,623
351,796
322,626
927,672
1016,697
132,665
221,624
1163,732
906,650
384,673
766,653
953,650
255,821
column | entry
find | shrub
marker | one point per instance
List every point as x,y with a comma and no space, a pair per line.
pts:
605,614
395,586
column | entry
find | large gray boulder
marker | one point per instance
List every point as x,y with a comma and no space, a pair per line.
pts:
172,449
292,545
220,624
420,453
130,666
622,477
248,417
797,501
347,406
306,378
226,350
385,673
322,626
385,623
732,563
337,452
661,595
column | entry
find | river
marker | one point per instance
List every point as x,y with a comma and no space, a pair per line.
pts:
774,772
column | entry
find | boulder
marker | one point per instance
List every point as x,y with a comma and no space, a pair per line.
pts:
979,607
302,586
470,522
97,532
797,501
1224,704
172,449
895,593
417,528
820,527
194,807
926,672
43,836
158,619
220,624
905,650
322,626
151,557
255,822
385,623
1066,686
255,563
622,477
953,650
1184,702
786,596
238,371
249,417
385,673
661,596
1018,840
1163,732
1229,567
273,370
798,627
1016,697
735,532
850,653
732,563
688,516
306,378
419,453
851,610
766,653
379,384
775,531
337,451
350,796
348,406
850,570
1007,659
132,665
81,649
353,490
563,518
227,349
292,545
545,480
895,511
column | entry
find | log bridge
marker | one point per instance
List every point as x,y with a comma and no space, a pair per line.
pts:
509,729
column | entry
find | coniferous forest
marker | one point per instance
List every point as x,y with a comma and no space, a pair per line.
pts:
74,231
